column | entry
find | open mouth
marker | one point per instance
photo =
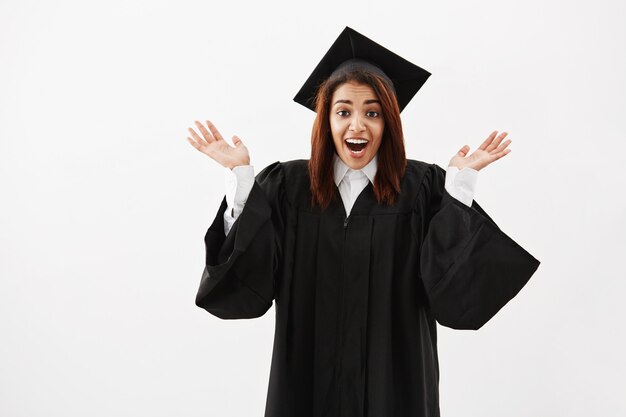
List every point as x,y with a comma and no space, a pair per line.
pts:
356,146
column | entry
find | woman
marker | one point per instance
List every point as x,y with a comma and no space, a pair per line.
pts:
361,249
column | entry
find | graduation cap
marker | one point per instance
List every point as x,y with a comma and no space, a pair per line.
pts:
352,51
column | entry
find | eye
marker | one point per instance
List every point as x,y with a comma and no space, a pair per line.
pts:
373,114
343,113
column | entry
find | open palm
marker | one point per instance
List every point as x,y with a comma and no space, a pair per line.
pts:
213,144
491,150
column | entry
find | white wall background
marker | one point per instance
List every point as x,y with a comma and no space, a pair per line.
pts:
104,204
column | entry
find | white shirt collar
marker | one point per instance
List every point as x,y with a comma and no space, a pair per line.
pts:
341,169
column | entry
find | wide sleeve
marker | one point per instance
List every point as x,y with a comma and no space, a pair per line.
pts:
238,280
469,267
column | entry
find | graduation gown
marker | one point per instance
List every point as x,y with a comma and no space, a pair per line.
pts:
357,297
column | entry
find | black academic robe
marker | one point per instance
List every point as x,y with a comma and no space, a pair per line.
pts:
357,298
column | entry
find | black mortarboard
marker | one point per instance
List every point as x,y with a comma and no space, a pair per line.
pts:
352,50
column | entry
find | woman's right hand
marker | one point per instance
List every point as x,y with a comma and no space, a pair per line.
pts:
213,144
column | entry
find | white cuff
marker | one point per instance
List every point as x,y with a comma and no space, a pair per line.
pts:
239,182
461,184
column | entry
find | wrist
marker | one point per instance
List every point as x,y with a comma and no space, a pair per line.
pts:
238,164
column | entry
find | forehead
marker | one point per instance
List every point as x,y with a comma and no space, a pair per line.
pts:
354,91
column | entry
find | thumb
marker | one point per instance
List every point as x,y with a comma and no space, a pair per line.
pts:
464,150
237,142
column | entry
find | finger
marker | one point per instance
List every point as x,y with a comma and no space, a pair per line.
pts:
197,137
214,130
194,143
501,154
236,141
464,150
503,145
496,142
487,141
209,137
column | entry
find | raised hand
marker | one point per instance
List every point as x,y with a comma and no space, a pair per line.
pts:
491,150
213,144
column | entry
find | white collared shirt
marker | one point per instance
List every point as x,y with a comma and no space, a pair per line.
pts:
239,181
352,182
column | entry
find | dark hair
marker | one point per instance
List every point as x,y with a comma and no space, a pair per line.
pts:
391,160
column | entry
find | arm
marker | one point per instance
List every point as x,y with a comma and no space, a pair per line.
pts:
238,280
469,267
461,184
240,268
239,182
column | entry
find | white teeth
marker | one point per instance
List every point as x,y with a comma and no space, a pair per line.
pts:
356,141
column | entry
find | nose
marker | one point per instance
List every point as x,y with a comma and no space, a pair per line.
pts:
356,123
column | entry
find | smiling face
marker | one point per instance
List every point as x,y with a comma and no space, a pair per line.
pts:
356,123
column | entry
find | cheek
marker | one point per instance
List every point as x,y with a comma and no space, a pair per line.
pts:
337,130
333,126
379,132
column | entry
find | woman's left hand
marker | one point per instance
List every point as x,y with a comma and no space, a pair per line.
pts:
491,150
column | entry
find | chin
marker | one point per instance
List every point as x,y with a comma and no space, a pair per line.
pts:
356,163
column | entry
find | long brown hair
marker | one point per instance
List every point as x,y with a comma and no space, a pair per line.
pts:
391,159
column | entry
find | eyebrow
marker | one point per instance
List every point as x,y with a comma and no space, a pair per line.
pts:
370,101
